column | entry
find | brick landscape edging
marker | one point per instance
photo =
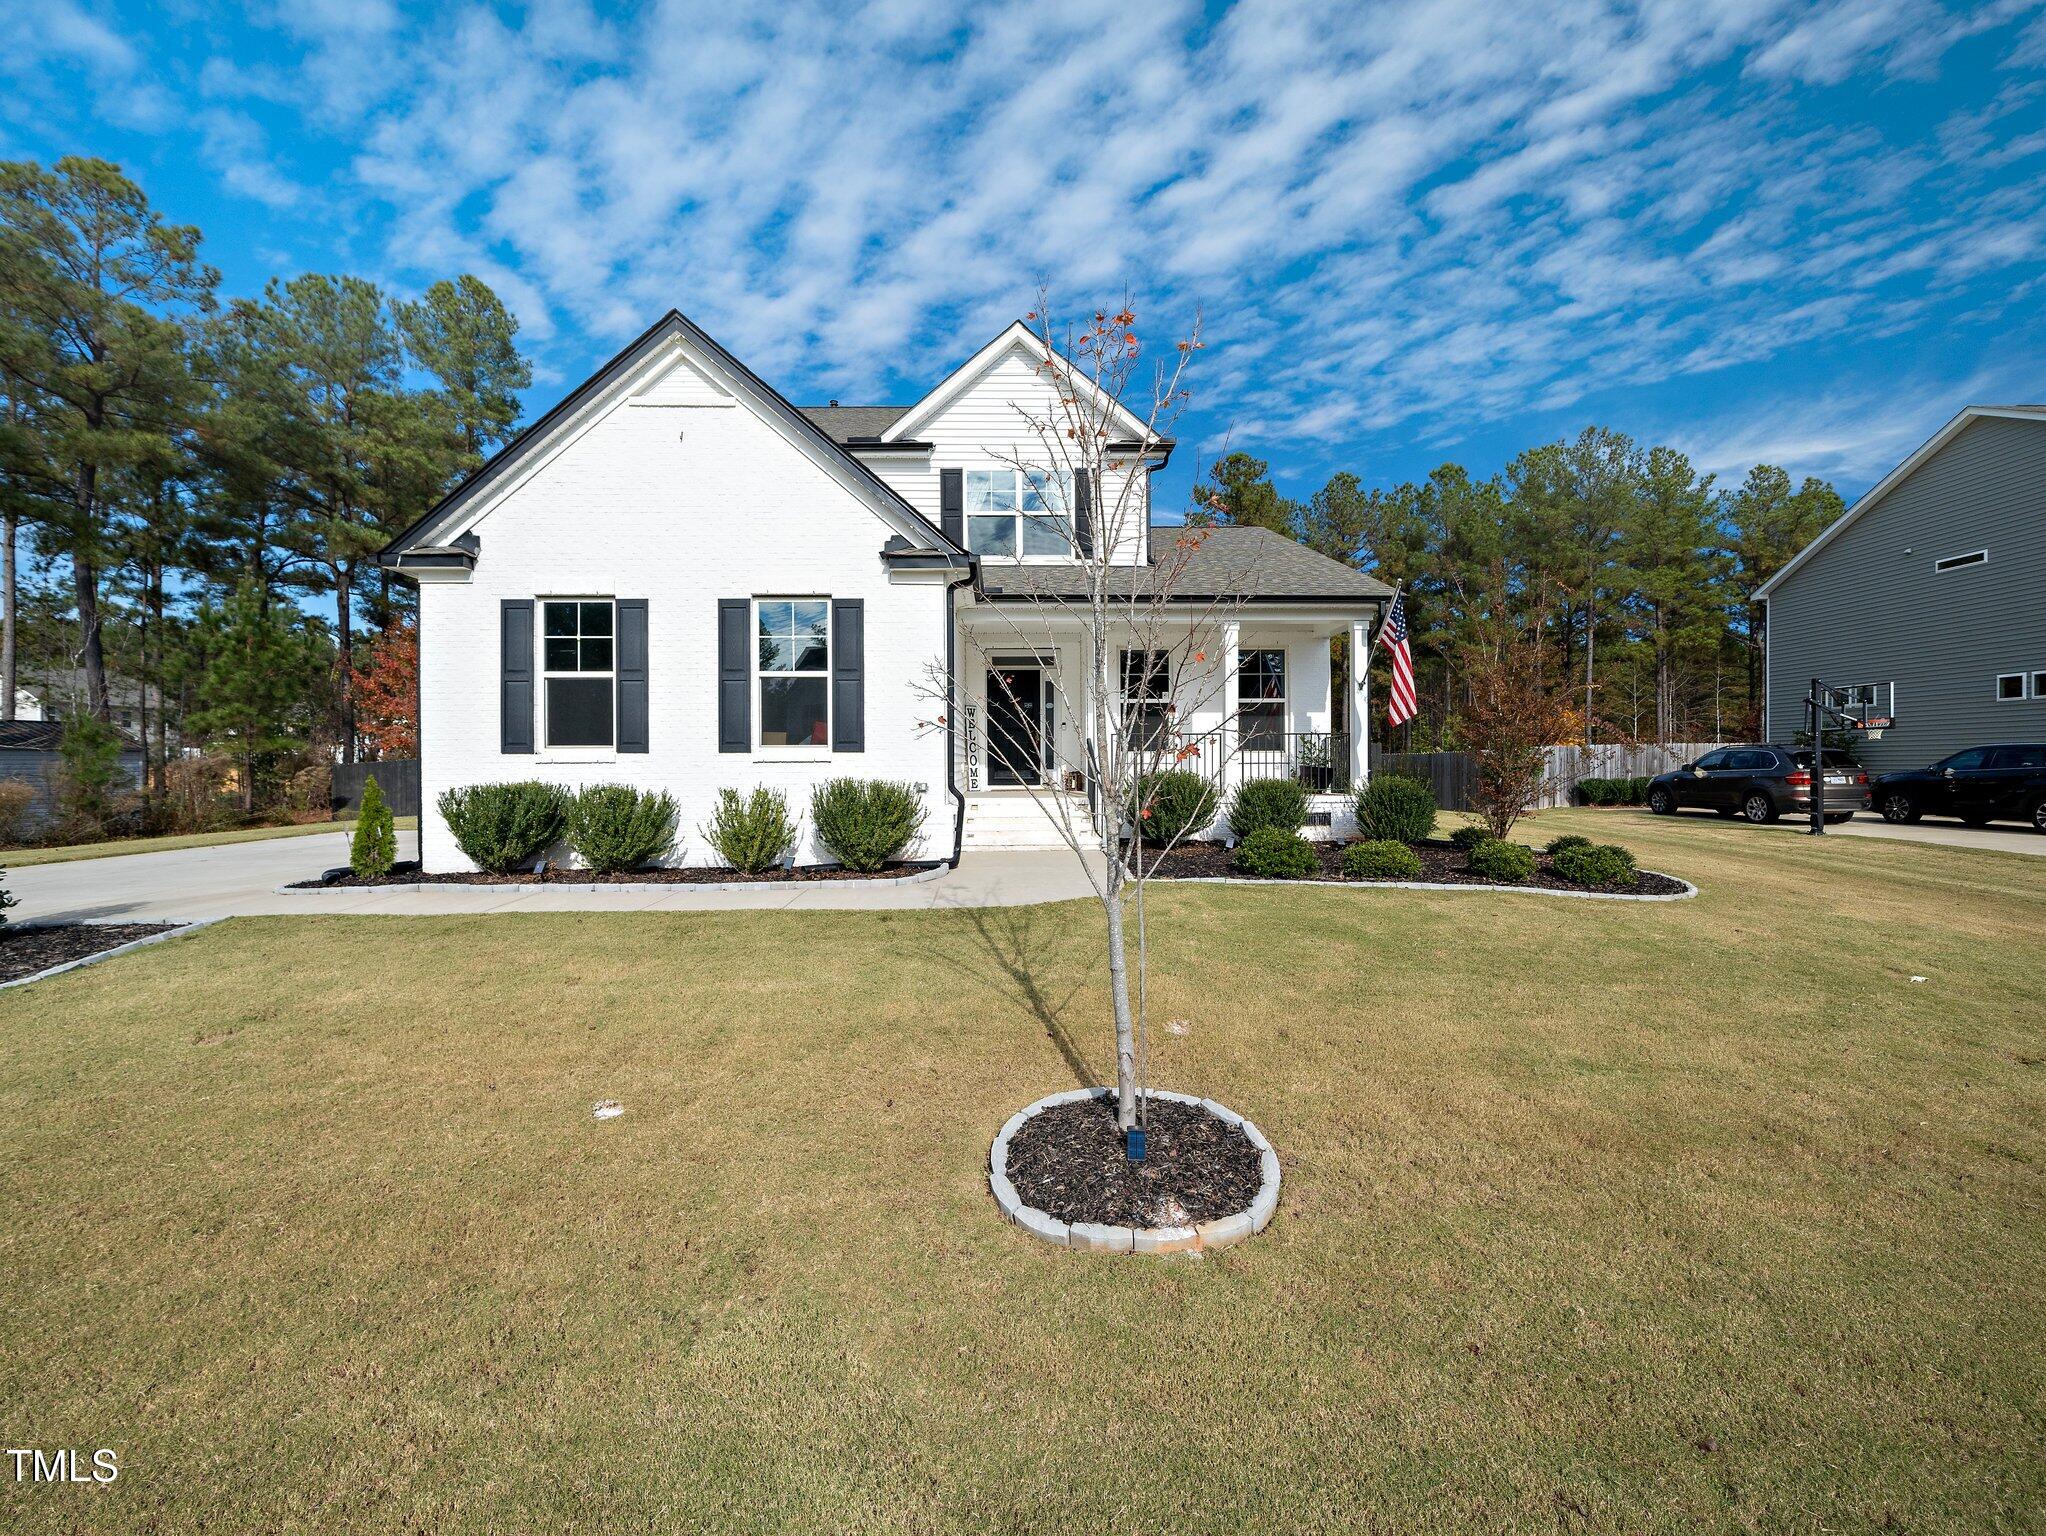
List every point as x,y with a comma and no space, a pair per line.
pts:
1097,1238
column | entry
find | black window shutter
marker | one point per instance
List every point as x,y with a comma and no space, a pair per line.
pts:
952,505
848,675
515,675
1083,511
735,676
632,724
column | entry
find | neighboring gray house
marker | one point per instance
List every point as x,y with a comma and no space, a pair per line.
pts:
28,752
1935,583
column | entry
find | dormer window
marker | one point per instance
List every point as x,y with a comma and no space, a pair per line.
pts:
1013,514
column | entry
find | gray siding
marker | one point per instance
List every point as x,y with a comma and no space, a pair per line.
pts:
40,770
1869,608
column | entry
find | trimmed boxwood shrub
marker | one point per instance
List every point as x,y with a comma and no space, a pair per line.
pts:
866,823
1497,859
1596,864
1262,803
1623,791
751,834
1397,808
1567,840
505,827
1180,804
1382,859
1277,855
616,827
1468,838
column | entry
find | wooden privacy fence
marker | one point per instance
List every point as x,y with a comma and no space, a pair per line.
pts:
397,777
1454,775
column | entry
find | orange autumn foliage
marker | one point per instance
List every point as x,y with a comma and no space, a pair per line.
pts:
387,693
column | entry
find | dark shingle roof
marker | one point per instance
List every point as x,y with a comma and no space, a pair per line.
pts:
848,422
1217,562
46,736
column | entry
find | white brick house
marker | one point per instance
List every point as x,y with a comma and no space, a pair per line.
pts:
677,580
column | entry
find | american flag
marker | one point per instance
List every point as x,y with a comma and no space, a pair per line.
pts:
1400,705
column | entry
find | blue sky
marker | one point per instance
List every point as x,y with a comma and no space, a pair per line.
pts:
1805,233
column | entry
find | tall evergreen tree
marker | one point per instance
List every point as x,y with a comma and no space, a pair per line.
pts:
1767,524
1241,492
460,332
1672,565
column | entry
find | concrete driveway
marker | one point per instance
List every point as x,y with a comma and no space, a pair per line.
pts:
2004,837
242,880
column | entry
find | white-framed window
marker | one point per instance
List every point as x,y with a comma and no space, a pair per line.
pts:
1261,699
1959,562
2039,685
1018,514
1147,698
2010,687
578,671
792,671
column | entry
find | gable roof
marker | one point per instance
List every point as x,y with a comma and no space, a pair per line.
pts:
959,379
46,736
424,535
1896,477
1229,561
853,423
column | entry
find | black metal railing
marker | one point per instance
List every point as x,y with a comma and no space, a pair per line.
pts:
1319,761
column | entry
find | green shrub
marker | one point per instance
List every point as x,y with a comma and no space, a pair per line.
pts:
1277,855
1396,807
505,827
1381,860
1596,864
866,823
6,897
1626,791
1497,859
754,833
375,848
1468,838
1567,840
1173,804
615,826
1263,803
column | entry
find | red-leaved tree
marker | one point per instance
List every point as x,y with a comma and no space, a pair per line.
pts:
387,694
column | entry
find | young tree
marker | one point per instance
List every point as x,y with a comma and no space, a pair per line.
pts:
93,286
253,697
387,693
1512,716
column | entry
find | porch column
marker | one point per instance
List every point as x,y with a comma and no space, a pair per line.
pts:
1232,772
1360,704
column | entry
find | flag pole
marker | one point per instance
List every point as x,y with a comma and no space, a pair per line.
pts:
1379,628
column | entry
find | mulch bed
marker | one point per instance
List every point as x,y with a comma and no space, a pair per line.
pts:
408,874
1069,1162
1442,863
25,950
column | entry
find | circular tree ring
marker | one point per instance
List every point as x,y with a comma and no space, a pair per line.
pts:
1103,1238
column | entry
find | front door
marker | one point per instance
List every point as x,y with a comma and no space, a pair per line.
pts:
1016,717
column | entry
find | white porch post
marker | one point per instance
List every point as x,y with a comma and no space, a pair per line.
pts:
1231,633
1360,704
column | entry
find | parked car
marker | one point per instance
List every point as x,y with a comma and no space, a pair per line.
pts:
1980,785
1760,783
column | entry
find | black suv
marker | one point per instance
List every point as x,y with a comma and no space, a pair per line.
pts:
1980,785
1760,783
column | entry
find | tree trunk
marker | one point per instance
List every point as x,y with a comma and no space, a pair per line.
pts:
344,659
85,577
7,598
1590,650
1125,1025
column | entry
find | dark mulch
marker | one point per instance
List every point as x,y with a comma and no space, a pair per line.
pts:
24,950
1069,1162
408,873
1442,863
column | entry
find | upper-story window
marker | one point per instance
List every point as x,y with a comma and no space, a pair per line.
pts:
1017,513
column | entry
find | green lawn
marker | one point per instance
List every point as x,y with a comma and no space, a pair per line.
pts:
1598,1217
21,858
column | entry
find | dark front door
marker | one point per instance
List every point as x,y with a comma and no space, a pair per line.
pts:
1015,725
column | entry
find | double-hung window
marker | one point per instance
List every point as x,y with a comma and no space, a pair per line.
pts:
1018,513
1261,700
794,670
578,667
1147,698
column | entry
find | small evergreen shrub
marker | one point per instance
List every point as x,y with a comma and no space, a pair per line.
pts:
6,898
1468,838
1381,860
1396,807
505,827
1263,803
1173,804
1277,855
754,833
1497,859
866,823
375,848
615,826
1596,864
1567,840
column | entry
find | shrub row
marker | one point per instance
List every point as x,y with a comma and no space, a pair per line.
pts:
1629,791
865,823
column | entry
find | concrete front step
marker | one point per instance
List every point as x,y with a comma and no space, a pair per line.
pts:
1015,821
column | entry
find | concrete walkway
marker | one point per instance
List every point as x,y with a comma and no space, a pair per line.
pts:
242,880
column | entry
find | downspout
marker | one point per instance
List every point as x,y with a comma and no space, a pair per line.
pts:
952,587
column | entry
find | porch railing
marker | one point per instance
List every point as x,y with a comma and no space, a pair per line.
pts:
1319,761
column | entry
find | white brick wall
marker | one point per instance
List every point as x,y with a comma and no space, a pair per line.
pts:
681,505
